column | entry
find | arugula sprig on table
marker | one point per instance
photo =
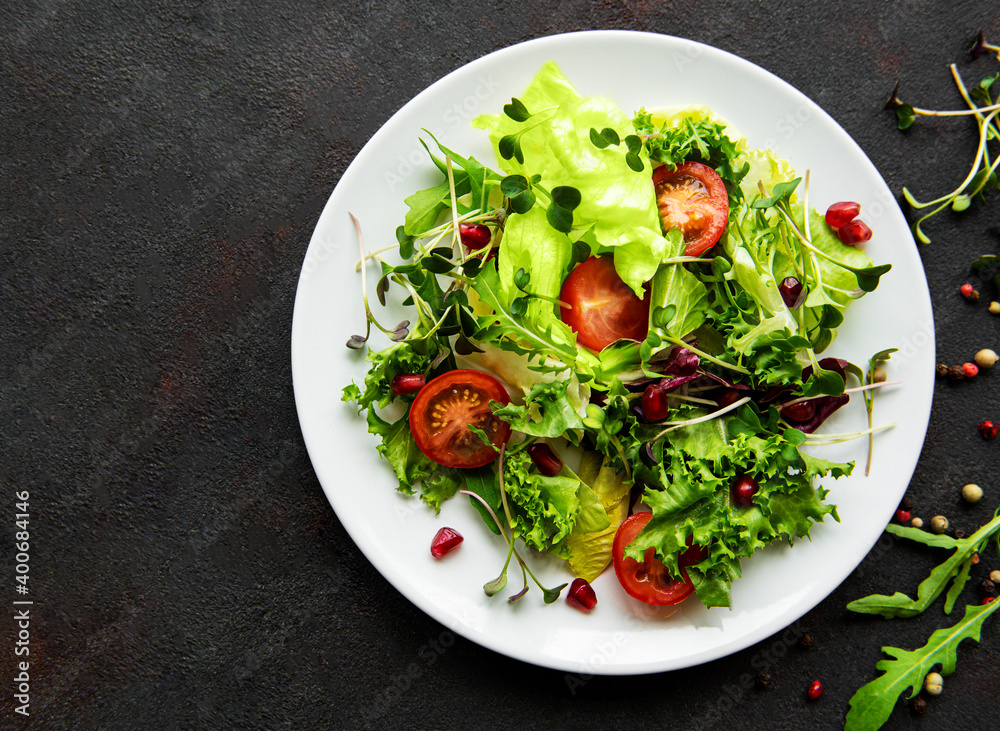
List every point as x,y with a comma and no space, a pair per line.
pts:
872,704
954,570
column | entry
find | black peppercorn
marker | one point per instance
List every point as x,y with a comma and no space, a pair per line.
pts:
942,369
956,373
906,504
987,588
959,534
919,706
807,640
764,680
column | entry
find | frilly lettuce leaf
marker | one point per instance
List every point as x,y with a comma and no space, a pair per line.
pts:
545,510
689,495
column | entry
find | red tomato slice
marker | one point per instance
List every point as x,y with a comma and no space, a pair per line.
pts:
649,581
447,406
600,307
692,198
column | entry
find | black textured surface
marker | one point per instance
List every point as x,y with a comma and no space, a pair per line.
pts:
163,165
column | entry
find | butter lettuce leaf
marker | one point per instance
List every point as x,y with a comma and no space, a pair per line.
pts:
618,209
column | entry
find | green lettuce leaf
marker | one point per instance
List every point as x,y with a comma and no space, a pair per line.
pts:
545,510
618,210
690,498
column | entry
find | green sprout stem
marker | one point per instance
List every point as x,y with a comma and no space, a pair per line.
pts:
675,425
706,356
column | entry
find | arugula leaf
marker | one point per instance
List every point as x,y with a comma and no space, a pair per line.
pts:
872,704
955,567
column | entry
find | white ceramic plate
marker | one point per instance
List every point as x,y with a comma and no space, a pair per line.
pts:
780,584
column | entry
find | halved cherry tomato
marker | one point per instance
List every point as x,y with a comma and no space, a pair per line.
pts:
444,410
649,581
600,307
693,198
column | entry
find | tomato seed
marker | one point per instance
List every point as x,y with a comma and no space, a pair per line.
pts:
581,595
855,232
547,461
445,541
405,383
842,213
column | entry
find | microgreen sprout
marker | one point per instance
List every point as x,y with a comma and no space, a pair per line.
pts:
982,175
981,46
491,588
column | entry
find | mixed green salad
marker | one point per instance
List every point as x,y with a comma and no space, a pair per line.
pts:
643,296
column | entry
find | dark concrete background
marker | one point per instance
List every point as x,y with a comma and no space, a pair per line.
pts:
163,165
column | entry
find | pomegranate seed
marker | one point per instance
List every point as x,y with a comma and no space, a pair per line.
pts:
743,490
802,411
855,232
475,236
445,541
988,429
842,213
727,397
902,516
792,292
971,370
815,690
547,461
654,403
966,290
581,595
405,383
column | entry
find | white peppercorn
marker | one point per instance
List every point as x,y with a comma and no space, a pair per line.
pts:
972,493
934,683
939,524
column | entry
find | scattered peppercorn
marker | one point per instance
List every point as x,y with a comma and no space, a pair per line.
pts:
972,493
934,683
815,690
966,290
975,559
807,640
995,576
764,680
902,516
956,373
988,429
917,523
906,504
942,370
919,706
959,534
987,587
995,308
986,358
971,370
939,524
